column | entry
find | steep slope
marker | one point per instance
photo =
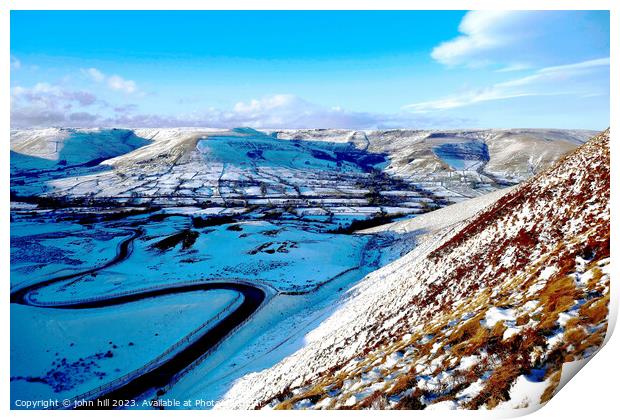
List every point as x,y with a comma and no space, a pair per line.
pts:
483,314
518,154
167,145
434,221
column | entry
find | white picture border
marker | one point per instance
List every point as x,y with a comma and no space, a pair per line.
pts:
592,394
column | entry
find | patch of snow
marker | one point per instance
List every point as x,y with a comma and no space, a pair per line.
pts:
524,394
547,272
495,315
443,405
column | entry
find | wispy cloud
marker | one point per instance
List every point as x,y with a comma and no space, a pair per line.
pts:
516,39
584,79
482,31
513,67
114,82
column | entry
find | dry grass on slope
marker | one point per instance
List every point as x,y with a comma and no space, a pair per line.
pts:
521,290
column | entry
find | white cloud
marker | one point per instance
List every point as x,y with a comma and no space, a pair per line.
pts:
46,105
517,39
118,83
584,79
95,74
114,82
290,111
276,110
51,96
480,33
272,111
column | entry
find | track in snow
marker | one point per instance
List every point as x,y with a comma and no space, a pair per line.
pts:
161,375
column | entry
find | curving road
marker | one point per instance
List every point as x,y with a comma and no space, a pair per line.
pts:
159,376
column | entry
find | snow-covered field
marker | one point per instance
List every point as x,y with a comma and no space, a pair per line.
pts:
62,353
44,247
211,167
279,255
305,266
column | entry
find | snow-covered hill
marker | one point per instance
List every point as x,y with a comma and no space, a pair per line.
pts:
509,154
54,149
494,312
318,172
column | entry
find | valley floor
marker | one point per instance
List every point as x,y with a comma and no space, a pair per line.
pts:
65,269
61,259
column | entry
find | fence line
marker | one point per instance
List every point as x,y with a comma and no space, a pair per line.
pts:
177,377
70,302
159,359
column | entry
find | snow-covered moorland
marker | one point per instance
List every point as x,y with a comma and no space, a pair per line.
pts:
315,169
232,252
484,316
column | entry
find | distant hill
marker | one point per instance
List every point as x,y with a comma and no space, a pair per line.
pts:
190,166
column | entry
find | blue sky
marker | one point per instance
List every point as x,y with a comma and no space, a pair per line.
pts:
353,69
